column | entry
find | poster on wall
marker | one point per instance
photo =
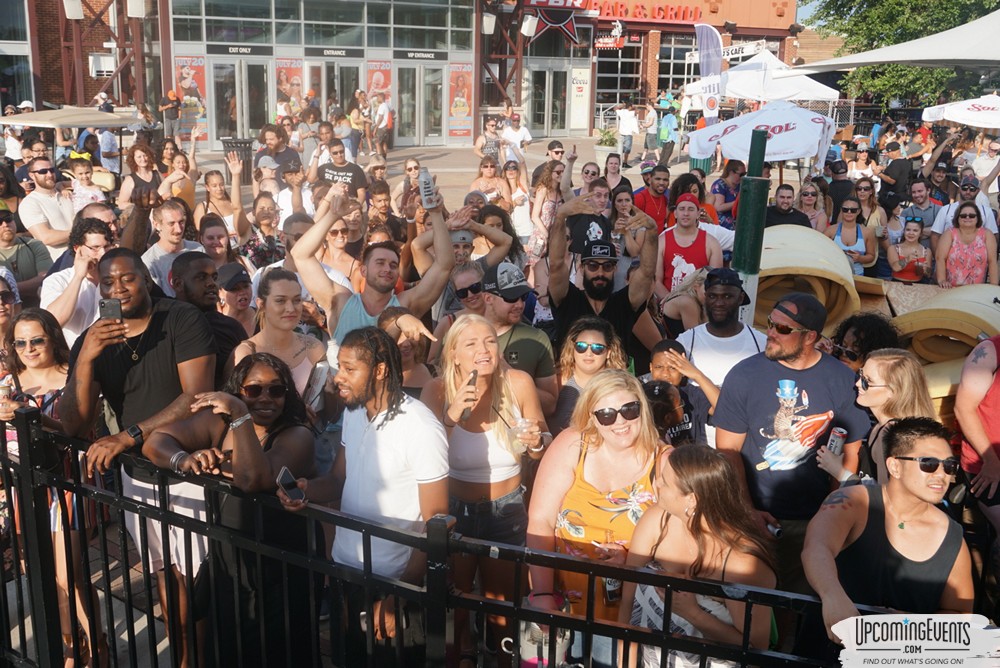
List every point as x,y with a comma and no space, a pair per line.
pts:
459,105
579,98
288,74
189,84
380,79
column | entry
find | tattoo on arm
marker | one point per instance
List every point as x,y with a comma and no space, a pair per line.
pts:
977,355
837,499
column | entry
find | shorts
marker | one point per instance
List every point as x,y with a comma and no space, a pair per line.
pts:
788,550
652,141
382,135
171,127
184,498
503,520
626,143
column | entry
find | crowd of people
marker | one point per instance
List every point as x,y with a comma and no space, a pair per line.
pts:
555,365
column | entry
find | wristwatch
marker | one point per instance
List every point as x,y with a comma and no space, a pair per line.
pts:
136,433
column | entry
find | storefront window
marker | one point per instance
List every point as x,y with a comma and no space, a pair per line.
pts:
286,9
674,73
420,38
333,35
461,40
416,15
378,14
15,79
14,22
187,30
234,32
244,9
288,33
619,73
342,11
378,37
186,7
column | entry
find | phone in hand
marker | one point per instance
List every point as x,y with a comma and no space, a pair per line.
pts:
472,382
110,309
286,481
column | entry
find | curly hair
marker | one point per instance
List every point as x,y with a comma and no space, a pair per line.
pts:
85,226
294,411
140,148
615,352
872,331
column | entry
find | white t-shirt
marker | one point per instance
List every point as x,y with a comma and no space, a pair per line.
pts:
109,144
946,215
628,124
86,311
382,116
335,276
983,165
55,209
386,464
284,201
159,262
515,139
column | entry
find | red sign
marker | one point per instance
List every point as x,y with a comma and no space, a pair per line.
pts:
642,10
558,4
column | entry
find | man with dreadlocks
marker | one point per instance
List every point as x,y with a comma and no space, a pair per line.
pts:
392,469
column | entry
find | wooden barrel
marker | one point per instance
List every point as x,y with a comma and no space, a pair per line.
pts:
800,259
950,324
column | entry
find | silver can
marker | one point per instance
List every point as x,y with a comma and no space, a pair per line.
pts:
838,436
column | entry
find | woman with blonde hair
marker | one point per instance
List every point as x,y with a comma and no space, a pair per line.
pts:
590,491
492,416
809,203
891,385
684,307
467,282
591,346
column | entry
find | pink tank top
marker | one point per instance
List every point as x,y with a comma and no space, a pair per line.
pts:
967,263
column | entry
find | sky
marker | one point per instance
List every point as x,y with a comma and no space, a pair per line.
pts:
805,10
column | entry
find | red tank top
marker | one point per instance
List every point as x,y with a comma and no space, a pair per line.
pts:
679,261
989,414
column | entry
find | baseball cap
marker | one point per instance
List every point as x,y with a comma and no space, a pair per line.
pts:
724,276
293,166
892,146
809,312
461,237
267,162
26,104
970,181
943,166
232,274
554,144
506,280
515,117
647,167
838,167
598,249
171,94
102,96
311,93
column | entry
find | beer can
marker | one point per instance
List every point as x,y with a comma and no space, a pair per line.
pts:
838,436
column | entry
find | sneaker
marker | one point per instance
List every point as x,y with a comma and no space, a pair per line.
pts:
324,605
625,165
361,154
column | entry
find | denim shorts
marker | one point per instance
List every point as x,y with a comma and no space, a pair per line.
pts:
503,520
626,143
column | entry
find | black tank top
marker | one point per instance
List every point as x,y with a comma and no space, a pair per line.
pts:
872,572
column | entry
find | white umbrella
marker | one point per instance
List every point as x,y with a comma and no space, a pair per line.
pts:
754,80
982,112
69,117
793,132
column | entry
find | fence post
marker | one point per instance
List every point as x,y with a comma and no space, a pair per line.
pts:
33,507
436,621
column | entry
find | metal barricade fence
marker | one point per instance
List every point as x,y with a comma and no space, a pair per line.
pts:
272,595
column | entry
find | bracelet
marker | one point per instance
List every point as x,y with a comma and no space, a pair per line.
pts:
541,593
239,422
175,460
541,443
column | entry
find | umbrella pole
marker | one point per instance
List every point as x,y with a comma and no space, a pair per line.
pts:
749,241
781,173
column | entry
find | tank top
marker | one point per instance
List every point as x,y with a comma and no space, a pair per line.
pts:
141,185
477,456
873,572
184,190
355,316
859,247
301,373
908,274
989,415
967,263
679,261
491,147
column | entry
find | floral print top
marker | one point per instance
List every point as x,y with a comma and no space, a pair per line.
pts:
967,263
721,187
588,514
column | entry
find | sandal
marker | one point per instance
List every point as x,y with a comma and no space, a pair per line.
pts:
83,649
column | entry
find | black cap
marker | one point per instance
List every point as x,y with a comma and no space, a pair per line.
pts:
596,249
506,280
293,166
555,143
809,312
232,274
838,167
892,146
723,276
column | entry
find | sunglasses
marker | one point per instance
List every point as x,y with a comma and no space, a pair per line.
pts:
931,464
21,344
740,173
489,166
510,168
590,172
474,289
341,232
413,169
47,170
863,189
969,189
608,416
865,383
809,194
968,216
784,330
840,352
557,152
254,391
6,297
595,265
596,348
850,209
511,301
7,220
913,219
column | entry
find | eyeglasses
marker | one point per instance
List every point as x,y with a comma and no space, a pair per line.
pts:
809,194
931,464
850,209
865,383
596,348
254,391
489,166
340,232
608,416
7,298
46,170
968,216
840,352
21,344
913,219
474,289
740,173
784,330
596,265
590,172
340,152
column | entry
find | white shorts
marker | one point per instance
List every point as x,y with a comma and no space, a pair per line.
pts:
185,499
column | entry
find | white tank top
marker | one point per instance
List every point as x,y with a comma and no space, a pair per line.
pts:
479,457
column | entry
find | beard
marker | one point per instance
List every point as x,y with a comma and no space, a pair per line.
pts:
598,291
783,353
359,400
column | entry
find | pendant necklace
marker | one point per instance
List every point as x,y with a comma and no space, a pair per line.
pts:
902,522
135,351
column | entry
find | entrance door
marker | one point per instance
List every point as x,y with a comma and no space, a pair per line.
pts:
240,99
549,109
420,107
339,79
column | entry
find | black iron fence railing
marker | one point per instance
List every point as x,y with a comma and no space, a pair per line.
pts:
261,604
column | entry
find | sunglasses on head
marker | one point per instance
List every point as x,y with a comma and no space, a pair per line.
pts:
913,219
840,352
595,265
931,464
21,344
784,330
596,348
254,391
608,416
6,297
474,289
865,383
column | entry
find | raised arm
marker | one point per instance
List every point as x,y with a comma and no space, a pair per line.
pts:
640,286
558,269
420,298
499,240
240,220
327,293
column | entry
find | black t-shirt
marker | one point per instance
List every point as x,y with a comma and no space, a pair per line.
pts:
839,191
691,430
587,226
792,217
228,333
617,310
396,226
137,390
898,169
356,248
172,112
349,174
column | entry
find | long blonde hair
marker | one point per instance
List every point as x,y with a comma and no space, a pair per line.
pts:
906,380
502,401
602,384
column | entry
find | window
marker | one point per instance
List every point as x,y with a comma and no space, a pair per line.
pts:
187,30
14,21
15,79
334,35
674,72
342,11
419,38
244,9
286,9
619,74
186,7
235,32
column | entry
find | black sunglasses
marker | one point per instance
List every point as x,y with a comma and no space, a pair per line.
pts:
931,464
254,391
968,189
7,298
21,344
514,300
784,330
595,265
865,383
596,348
840,352
608,416
46,170
474,289
850,209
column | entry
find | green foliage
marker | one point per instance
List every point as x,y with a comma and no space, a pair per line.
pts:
607,137
870,24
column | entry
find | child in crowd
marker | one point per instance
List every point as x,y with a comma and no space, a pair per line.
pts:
669,364
84,190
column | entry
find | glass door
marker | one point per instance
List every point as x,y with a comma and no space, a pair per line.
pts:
549,104
406,106
557,102
240,99
433,105
340,82
420,105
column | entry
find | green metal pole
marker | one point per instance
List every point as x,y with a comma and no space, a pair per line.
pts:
749,240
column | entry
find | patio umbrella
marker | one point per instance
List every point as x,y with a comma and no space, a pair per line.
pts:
69,117
793,132
754,80
982,112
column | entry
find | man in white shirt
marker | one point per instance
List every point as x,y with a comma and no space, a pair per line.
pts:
110,153
168,220
628,125
967,192
381,123
984,164
517,139
46,212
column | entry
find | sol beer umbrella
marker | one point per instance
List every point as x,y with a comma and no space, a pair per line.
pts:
982,112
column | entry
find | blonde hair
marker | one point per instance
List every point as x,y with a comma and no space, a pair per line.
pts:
602,384
907,383
691,283
501,392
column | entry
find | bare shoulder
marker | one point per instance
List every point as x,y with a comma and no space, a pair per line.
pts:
520,380
746,568
854,499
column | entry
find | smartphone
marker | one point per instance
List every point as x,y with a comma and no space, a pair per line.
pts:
472,381
286,481
110,309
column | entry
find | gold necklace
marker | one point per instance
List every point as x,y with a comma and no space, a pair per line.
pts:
135,351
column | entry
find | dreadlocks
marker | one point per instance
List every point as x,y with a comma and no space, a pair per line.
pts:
375,347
